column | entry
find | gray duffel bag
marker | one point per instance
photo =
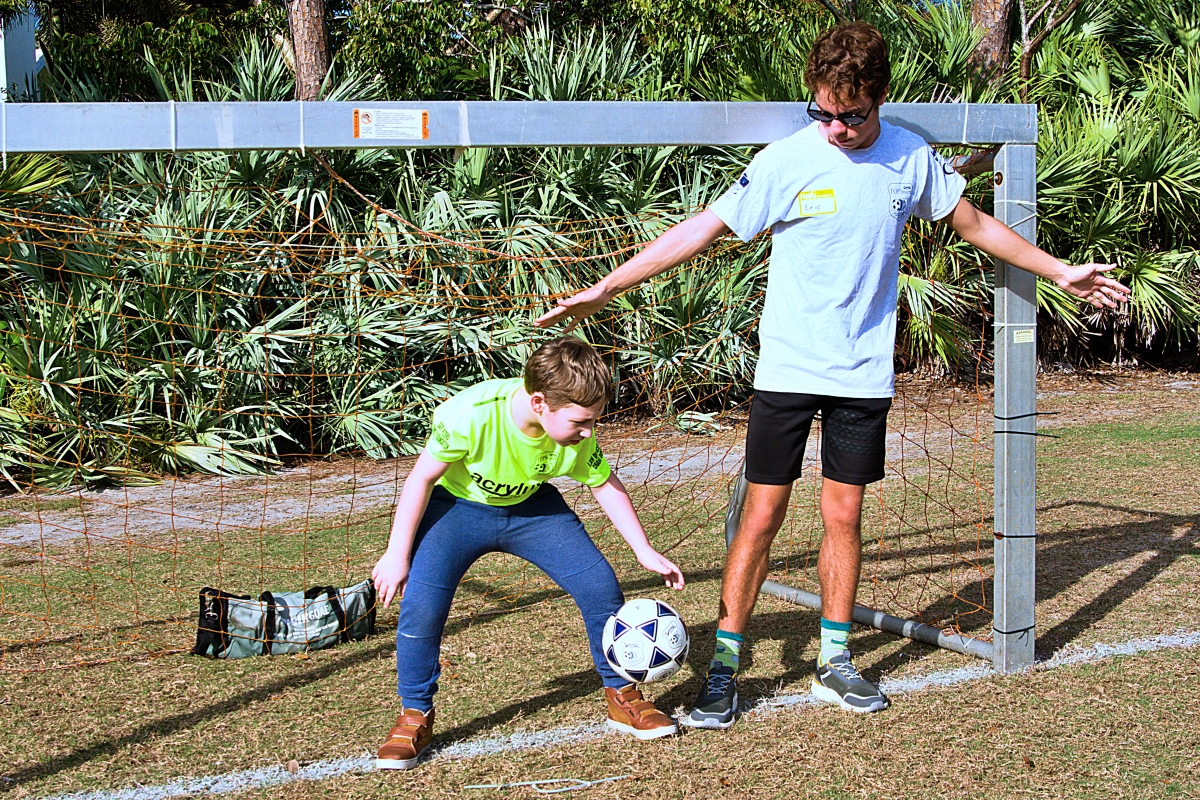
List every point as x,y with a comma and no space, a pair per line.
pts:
234,626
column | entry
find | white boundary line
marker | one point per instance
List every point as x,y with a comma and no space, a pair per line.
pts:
475,748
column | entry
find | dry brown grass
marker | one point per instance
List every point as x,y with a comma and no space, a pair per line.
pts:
1102,731
1118,559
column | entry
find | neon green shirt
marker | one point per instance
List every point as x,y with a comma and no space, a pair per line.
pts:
491,461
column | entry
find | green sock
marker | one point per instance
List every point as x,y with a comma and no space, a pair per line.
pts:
833,639
728,647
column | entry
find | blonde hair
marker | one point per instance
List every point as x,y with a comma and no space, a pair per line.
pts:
568,370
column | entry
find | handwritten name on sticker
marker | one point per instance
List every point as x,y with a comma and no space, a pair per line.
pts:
815,203
391,123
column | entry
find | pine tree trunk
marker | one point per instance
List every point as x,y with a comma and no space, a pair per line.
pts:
310,44
994,17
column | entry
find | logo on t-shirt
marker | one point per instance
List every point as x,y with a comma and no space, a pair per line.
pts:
544,462
739,184
441,434
947,167
497,489
595,459
901,199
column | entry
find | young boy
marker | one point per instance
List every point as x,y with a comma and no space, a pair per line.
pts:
480,486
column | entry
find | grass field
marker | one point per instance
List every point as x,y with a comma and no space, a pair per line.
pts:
1118,559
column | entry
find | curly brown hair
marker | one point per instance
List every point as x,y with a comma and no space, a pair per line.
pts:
848,61
568,370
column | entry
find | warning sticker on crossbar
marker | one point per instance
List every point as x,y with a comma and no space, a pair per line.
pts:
390,123
1023,336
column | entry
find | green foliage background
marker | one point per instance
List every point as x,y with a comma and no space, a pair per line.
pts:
274,362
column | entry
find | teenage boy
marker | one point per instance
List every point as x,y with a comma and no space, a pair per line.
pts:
836,196
480,486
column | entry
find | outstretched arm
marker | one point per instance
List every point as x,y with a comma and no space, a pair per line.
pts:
676,245
997,239
614,499
391,573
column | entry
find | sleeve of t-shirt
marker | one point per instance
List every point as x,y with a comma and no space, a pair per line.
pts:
591,467
942,190
748,207
450,435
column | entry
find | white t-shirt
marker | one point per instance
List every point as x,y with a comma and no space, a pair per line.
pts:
836,218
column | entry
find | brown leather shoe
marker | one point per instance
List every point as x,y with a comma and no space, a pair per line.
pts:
411,734
631,713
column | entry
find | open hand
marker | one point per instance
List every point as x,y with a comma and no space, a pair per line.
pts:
390,576
578,307
657,562
1086,281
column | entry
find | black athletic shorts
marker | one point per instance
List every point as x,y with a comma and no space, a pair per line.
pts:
853,437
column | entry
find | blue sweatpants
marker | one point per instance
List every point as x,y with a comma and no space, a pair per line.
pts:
454,534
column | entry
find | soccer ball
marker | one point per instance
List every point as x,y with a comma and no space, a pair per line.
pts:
645,641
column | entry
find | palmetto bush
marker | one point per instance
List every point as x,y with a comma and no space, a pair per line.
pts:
220,311
1119,170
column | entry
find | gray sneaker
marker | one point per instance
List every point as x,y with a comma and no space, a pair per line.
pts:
839,682
716,707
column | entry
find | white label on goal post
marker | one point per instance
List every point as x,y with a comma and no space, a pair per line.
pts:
1023,336
390,123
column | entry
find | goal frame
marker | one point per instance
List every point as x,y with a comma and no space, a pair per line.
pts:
1010,129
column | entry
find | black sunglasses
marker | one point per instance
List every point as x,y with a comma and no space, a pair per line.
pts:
849,120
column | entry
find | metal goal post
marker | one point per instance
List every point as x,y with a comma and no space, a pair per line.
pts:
60,128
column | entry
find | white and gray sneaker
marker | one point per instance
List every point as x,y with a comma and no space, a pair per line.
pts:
837,681
717,705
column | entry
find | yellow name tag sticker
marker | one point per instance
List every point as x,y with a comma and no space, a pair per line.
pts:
815,203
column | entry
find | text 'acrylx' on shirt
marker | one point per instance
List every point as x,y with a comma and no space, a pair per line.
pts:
836,218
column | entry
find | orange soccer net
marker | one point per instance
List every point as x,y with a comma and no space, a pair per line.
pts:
235,405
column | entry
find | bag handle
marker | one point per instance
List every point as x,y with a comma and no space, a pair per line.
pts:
372,608
269,625
339,611
212,629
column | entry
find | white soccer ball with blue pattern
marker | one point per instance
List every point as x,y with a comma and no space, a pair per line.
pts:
645,641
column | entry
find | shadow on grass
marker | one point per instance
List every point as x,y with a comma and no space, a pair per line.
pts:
794,629
1065,559
159,622
567,688
1076,554
167,726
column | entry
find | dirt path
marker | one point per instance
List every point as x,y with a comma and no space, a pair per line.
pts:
937,420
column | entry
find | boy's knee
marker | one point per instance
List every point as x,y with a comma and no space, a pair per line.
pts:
595,584
421,614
